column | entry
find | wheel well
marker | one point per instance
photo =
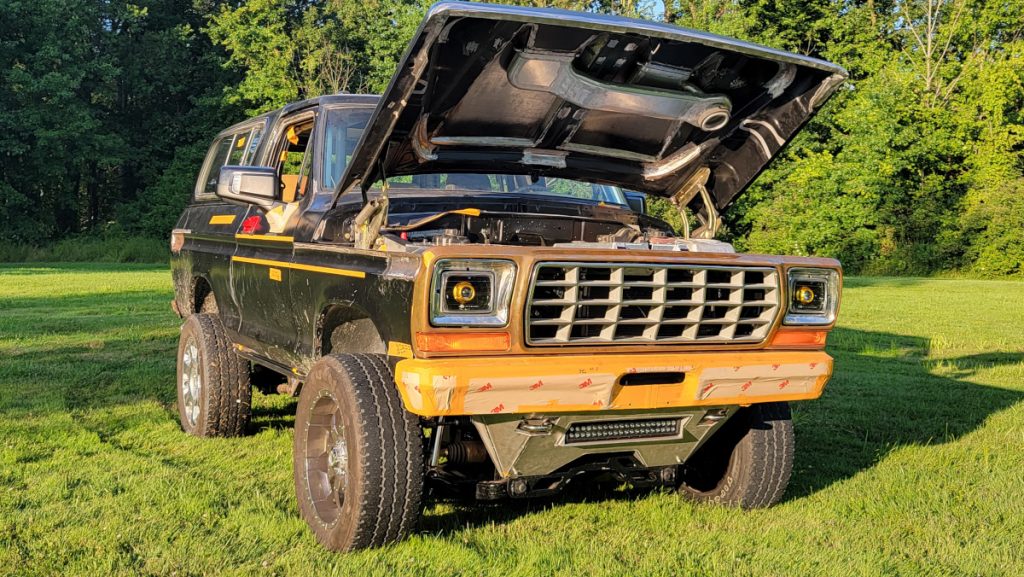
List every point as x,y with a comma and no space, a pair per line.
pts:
347,329
203,299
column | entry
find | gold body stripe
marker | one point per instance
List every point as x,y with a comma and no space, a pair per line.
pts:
222,219
296,266
271,237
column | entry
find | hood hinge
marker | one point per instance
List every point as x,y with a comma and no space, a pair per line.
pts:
710,221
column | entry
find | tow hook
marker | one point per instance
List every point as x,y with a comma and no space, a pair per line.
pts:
713,416
535,427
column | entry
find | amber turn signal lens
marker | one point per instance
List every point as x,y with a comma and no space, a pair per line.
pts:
462,342
792,338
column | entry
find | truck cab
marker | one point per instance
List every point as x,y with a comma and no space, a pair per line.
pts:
451,278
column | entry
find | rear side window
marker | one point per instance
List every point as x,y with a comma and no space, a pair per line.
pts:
243,147
238,148
251,146
234,149
219,156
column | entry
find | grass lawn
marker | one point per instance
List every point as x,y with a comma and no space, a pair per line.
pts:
911,464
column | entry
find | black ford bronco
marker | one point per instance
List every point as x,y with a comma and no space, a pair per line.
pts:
451,279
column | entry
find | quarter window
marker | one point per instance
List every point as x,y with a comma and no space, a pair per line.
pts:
252,145
232,149
220,152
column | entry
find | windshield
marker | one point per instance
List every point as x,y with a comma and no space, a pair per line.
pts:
345,126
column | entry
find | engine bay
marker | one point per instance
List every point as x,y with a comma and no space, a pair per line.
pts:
415,223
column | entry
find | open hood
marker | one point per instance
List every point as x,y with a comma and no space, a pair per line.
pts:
642,105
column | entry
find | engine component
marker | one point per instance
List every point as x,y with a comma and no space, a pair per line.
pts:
657,243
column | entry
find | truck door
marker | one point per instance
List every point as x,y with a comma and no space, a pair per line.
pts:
264,254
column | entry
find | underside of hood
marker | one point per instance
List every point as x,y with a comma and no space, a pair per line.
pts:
642,105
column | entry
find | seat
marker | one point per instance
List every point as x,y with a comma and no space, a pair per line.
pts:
290,187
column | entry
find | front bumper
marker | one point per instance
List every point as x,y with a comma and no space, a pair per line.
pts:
574,383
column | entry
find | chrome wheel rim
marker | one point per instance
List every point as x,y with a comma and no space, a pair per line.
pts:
326,458
191,382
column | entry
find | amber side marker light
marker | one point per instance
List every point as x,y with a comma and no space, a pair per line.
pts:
799,338
462,342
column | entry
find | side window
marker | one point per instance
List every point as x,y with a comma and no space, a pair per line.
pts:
218,156
253,144
238,148
294,160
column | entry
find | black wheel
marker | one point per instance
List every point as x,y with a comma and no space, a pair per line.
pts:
214,395
747,462
358,459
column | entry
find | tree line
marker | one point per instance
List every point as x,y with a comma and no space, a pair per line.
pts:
916,166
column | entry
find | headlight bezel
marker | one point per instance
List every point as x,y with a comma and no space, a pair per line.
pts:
501,273
809,277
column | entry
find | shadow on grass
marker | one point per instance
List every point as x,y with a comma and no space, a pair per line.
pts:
884,395
465,513
278,416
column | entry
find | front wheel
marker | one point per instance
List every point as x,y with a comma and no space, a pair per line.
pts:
358,455
746,463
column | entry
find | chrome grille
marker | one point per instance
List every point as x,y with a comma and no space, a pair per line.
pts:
598,303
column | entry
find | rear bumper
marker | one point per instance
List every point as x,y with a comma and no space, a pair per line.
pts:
575,383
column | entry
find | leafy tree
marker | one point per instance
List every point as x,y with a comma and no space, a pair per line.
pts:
916,165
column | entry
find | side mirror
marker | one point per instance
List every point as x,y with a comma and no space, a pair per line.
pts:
248,184
637,201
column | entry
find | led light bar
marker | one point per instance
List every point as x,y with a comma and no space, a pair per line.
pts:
621,430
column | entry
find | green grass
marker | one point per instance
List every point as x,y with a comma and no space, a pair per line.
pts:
911,463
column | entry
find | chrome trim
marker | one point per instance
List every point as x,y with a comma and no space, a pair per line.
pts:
693,310
828,316
495,141
503,276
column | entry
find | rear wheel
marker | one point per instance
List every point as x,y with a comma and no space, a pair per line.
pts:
747,463
358,456
214,394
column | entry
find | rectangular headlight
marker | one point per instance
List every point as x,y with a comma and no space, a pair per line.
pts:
813,296
471,292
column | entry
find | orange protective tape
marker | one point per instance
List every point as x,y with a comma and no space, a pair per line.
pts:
570,383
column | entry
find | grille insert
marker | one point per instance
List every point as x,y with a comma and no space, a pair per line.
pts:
621,430
597,303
